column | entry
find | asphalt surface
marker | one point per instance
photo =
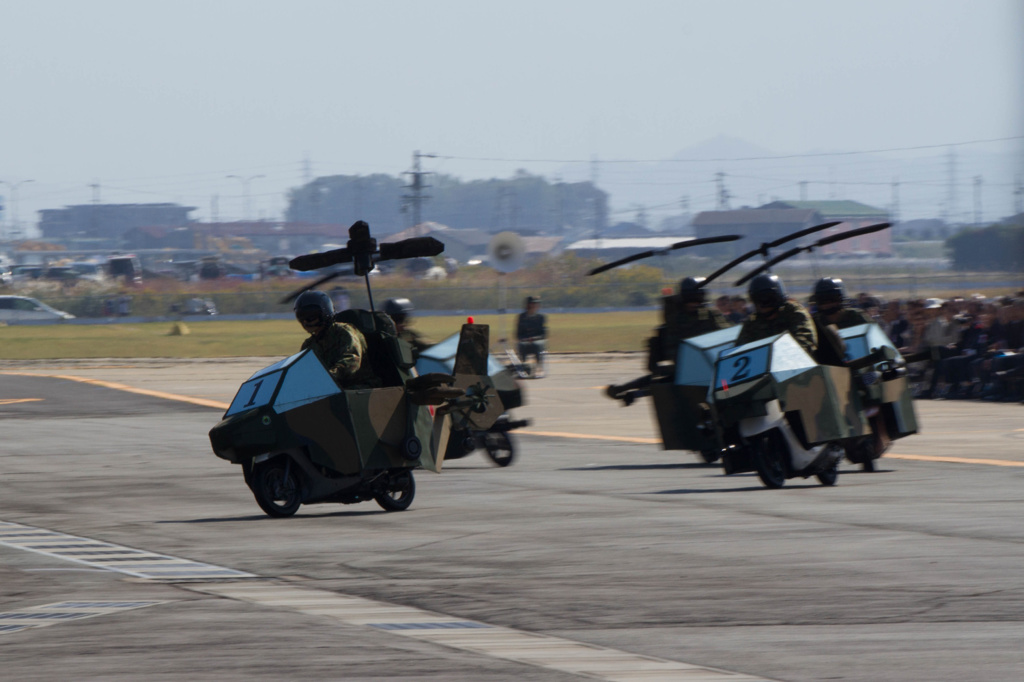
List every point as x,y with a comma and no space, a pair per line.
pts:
594,536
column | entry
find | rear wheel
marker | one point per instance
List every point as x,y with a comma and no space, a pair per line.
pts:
399,489
770,455
276,487
830,475
500,448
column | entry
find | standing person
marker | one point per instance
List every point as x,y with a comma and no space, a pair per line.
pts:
776,314
400,310
339,347
532,334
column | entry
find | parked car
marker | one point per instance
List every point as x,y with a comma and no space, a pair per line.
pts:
23,308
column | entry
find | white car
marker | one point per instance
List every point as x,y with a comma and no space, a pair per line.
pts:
23,308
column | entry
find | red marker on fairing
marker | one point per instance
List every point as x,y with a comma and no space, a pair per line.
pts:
725,386
469,320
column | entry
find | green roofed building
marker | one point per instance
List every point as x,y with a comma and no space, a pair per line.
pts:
844,209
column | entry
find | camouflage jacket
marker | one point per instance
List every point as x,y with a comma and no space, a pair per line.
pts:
340,348
792,318
848,317
680,325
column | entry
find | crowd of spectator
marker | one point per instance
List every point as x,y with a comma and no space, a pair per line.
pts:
973,346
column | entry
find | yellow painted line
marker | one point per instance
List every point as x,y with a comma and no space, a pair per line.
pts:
203,402
592,436
12,401
957,460
657,441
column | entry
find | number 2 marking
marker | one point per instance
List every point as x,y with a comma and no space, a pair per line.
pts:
741,368
255,390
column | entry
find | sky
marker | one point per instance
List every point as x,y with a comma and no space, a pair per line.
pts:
137,101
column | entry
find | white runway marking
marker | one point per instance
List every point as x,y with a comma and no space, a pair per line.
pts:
111,557
49,614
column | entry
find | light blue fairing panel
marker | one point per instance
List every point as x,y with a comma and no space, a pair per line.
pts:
306,381
441,358
789,358
861,338
695,359
743,363
280,364
255,392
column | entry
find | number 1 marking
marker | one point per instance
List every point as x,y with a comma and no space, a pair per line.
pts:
255,390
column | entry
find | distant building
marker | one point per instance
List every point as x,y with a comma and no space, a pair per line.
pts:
108,222
851,214
754,225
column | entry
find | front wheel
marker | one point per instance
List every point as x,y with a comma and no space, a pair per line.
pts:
398,491
770,454
500,448
276,487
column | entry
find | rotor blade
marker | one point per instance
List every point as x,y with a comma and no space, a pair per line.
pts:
295,294
850,233
729,266
316,261
767,264
704,240
824,241
627,259
416,247
654,252
802,233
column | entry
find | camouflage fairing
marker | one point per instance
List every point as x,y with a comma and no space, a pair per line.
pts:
680,407
888,390
816,399
295,404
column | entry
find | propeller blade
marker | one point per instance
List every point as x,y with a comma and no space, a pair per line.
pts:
729,266
851,233
316,261
768,264
704,240
627,259
295,294
801,233
416,247
654,252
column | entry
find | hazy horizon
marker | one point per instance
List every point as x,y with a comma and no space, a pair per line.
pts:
161,102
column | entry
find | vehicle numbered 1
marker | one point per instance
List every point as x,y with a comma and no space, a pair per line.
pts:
255,393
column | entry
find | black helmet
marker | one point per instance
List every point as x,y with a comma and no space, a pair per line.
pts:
691,291
829,289
767,289
398,309
310,303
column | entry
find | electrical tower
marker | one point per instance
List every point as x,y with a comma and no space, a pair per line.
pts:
723,193
977,201
894,212
416,197
951,188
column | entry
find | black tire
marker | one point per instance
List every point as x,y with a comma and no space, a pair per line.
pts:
829,476
276,487
770,454
500,448
400,489
868,465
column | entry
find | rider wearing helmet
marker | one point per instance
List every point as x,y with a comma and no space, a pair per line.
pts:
829,298
339,347
686,314
400,311
776,314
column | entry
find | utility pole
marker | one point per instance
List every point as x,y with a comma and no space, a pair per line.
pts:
894,212
307,170
417,185
245,191
1018,197
951,188
13,222
723,193
95,208
977,201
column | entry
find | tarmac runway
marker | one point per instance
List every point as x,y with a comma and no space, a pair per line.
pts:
129,551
